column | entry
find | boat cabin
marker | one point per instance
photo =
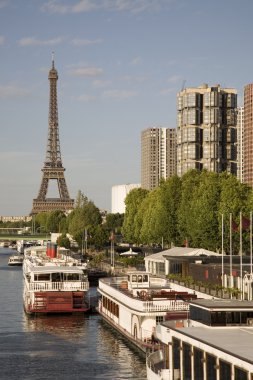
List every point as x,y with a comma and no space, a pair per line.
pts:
138,280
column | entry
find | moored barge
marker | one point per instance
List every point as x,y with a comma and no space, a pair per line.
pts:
136,303
53,283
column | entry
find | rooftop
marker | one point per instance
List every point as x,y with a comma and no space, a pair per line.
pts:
236,341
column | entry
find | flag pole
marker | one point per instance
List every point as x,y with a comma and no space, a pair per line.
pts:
222,250
230,261
240,253
251,242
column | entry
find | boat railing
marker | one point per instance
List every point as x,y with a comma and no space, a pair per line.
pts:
54,286
142,305
165,305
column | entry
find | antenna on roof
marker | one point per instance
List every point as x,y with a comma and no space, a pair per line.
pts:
183,85
53,59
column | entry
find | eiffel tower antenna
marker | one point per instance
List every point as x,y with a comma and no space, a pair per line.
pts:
53,169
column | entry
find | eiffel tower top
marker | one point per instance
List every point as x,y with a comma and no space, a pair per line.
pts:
53,153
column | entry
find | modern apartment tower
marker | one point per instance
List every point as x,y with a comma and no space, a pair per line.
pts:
248,135
158,156
240,142
206,129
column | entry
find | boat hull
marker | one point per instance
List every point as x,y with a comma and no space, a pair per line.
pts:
56,302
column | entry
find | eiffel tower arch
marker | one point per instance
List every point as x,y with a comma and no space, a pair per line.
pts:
53,168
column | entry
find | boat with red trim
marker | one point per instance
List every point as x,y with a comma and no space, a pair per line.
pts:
53,282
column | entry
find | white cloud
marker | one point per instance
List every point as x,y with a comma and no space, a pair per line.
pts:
85,42
12,91
118,94
14,155
3,3
135,6
166,91
136,61
100,83
32,41
175,78
87,71
86,98
2,40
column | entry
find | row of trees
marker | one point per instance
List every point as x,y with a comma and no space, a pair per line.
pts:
85,221
188,210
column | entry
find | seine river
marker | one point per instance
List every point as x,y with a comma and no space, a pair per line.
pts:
71,347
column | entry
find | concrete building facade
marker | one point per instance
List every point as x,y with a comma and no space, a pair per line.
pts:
240,144
206,129
119,193
248,135
158,156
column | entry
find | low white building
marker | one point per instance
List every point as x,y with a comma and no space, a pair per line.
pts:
159,263
119,193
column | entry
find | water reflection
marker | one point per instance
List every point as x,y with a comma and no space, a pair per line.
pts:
68,327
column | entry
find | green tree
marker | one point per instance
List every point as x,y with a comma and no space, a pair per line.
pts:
190,180
203,227
81,218
63,241
170,197
54,220
81,200
133,201
114,222
235,197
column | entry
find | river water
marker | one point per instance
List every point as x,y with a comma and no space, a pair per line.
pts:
69,347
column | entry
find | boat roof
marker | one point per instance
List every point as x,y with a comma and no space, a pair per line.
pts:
55,269
220,304
236,341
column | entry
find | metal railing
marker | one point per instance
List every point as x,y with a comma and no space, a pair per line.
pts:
54,286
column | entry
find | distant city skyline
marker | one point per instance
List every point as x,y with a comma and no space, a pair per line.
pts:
120,66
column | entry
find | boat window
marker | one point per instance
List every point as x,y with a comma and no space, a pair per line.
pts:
134,278
198,363
176,355
225,370
42,277
71,277
187,361
240,374
145,278
140,278
211,372
56,277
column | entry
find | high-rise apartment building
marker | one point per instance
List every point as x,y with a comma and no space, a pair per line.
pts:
206,129
240,144
248,135
158,156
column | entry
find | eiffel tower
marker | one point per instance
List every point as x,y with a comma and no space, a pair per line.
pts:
53,169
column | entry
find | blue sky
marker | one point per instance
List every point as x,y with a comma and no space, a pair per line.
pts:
120,65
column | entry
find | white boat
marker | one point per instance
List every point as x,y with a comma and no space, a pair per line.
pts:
215,342
23,244
136,303
15,260
53,283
